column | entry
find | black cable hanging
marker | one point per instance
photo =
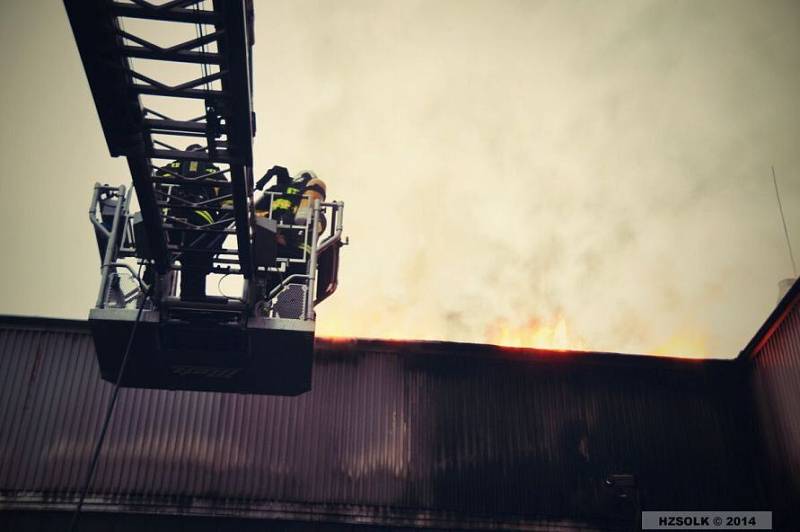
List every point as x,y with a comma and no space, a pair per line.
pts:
109,411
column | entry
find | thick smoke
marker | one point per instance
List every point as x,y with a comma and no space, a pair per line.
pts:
515,161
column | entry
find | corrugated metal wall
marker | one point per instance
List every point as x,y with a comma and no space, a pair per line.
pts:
776,390
415,434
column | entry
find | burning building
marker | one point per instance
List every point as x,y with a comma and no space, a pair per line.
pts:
397,435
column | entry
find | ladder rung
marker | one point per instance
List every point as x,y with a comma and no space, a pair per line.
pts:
179,155
179,57
193,16
169,180
200,135
192,207
178,126
170,227
178,93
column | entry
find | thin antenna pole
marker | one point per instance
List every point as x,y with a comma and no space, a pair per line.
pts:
783,219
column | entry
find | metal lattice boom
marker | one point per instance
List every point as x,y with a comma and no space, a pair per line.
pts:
143,133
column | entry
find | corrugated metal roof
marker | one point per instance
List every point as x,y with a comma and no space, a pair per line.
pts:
772,361
392,433
775,377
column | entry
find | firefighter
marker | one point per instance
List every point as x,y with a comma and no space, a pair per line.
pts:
292,204
197,256
293,207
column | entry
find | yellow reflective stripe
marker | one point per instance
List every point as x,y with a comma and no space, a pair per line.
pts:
280,204
292,190
227,203
205,215
175,164
193,166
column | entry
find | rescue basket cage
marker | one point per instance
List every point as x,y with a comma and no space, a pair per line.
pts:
172,80
260,341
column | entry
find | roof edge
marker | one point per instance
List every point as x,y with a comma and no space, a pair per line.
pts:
40,322
434,347
765,332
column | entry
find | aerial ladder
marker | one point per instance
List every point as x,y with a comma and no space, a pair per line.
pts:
261,340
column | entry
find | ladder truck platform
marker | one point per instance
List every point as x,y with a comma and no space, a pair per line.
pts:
172,84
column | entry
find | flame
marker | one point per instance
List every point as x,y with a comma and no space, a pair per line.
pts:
337,339
552,334
537,333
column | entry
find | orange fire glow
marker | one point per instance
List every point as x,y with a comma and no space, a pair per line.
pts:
534,333
551,334
685,344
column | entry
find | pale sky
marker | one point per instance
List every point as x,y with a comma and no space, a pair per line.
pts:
603,165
